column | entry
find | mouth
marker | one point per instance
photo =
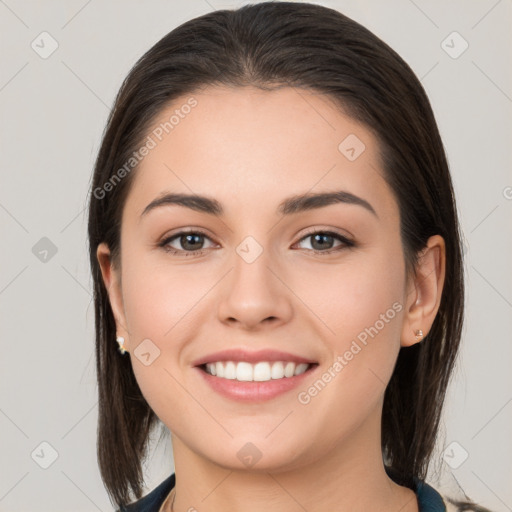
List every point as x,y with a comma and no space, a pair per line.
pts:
264,371
254,376
252,384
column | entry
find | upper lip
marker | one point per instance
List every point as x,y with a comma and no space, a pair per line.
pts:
240,354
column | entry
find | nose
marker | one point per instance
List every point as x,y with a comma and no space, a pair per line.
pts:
255,294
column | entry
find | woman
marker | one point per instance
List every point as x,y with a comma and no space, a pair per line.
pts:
274,242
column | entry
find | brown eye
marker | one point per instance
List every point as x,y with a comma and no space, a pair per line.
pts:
322,241
189,242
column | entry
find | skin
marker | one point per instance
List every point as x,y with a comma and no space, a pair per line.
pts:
251,149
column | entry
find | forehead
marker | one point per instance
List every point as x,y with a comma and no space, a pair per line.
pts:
246,145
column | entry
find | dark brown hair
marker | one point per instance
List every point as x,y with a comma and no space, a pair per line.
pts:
270,45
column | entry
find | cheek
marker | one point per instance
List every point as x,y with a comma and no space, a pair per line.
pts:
161,304
364,290
346,299
352,306
360,305
160,297
361,309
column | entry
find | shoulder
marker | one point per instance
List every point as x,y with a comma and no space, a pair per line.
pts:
152,501
430,500
453,505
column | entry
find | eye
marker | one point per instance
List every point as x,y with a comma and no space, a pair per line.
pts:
322,241
189,240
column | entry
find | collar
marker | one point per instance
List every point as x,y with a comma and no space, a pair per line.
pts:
429,500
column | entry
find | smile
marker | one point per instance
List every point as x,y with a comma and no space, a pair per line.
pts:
246,382
259,372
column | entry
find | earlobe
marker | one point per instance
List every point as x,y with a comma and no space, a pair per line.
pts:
425,291
112,283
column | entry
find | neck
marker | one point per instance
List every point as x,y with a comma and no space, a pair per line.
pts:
347,477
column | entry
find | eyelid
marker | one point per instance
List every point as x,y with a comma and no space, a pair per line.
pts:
343,233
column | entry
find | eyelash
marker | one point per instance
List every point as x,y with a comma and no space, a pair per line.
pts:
346,243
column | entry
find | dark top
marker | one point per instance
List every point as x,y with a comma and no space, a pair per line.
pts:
429,500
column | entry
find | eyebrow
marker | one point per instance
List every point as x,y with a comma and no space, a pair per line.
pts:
289,206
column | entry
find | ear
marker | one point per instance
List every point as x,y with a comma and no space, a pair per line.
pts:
112,279
424,290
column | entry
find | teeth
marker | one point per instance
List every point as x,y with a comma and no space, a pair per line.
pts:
259,372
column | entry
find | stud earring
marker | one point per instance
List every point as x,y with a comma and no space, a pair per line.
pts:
120,341
419,334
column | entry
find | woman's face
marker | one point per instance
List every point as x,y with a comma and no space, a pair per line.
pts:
262,281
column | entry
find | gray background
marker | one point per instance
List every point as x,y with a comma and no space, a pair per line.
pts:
53,113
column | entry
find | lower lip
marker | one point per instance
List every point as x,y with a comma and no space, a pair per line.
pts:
254,391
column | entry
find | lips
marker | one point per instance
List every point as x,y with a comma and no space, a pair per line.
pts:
254,392
239,354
